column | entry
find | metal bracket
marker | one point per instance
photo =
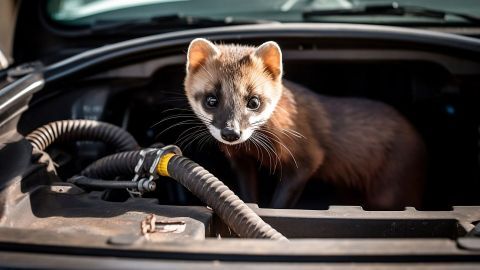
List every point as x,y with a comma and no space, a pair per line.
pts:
138,173
146,179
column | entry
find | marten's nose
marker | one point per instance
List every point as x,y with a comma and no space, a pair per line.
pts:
230,134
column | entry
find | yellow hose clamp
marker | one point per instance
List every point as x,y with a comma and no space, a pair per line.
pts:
164,154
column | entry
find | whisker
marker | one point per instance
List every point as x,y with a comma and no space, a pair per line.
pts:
196,137
288,135
206,139
228,152
184,122
283,145
183,134
265,146
276,155
295,133
171,118
275,152
191,135
192,113
259,152
183,115
178,109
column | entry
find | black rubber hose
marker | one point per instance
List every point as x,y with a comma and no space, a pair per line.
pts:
109,167
102,184
81,130
231,209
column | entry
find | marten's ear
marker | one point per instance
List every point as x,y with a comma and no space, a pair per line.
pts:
271,56
199,51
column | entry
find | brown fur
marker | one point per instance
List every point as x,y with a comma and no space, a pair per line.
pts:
356,143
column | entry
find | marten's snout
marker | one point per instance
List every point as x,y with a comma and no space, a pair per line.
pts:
230,134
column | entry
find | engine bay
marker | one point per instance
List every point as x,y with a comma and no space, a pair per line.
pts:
144,98
140,89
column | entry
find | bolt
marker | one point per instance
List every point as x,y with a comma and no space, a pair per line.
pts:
151,186
146,185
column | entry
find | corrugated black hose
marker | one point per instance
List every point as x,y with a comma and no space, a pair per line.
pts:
231,209
109,167
81,130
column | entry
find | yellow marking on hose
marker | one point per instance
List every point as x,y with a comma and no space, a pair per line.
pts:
162,167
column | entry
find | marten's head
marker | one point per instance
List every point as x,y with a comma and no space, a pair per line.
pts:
233,89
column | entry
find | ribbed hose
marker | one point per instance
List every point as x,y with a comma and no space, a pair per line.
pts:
233,211
108,167
77,130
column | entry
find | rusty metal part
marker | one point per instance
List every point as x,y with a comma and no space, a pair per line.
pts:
151,225
148,225
170,226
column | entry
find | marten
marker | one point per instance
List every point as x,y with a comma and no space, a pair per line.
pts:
263,120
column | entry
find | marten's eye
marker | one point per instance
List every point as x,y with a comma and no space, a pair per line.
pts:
253,103
211,101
